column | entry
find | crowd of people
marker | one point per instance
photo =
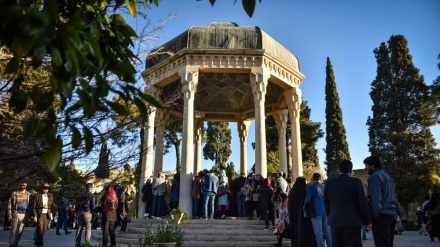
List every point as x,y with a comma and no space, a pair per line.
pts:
337,213
43,210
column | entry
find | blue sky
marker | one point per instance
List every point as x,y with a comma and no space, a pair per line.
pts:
347,31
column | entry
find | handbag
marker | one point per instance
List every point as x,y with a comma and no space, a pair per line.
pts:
223,191
109,206
255,197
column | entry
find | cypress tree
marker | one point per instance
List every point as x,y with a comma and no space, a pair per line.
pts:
399,129
218,143
336,148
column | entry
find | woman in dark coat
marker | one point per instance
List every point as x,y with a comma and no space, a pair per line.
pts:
109,216
266,204
301,226
433,224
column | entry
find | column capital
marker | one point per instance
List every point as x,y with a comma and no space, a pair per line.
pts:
198,128
243,128
153,91
189,76
259,78
162,117
281,121
293,99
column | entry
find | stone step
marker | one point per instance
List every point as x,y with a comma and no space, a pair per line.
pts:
232,231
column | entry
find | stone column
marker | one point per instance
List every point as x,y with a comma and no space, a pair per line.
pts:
259,79
281,122
293,98
243,129
161,120
147,151
198,135
189,77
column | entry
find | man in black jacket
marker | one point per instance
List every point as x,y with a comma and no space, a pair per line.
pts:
346,207
43,207
85,205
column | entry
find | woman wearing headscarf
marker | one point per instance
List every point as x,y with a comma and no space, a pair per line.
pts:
283,229
109,204
248,186
266,204
223,200
301,226
433,223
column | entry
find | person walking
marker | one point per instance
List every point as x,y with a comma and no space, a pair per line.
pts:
382,200
266,205
18,203
109,205
301,226
283,229
420,214
346,207
315,198
42,209
431,208
62,207
85,205
122,210
209,187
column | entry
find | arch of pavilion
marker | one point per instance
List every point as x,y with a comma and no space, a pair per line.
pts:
224,73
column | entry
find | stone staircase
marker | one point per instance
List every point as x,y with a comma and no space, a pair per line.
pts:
232,231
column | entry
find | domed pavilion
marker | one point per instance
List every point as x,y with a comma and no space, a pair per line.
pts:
225,73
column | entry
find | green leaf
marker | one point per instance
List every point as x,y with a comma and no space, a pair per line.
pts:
12,65
212,2
39,54
56,57
141,107
53,153
76,137
151,100
18,101
31,126
131,4
118,108
88,138
249,6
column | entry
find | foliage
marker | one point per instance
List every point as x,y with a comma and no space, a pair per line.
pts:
336,148
103,169
399,129
435,94
173,137
310,134
178,215
81,44
218,143
165,233
230,171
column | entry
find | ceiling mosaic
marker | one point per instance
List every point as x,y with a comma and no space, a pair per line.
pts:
222,92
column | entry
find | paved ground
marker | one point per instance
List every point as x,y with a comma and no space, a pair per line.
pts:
408,239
